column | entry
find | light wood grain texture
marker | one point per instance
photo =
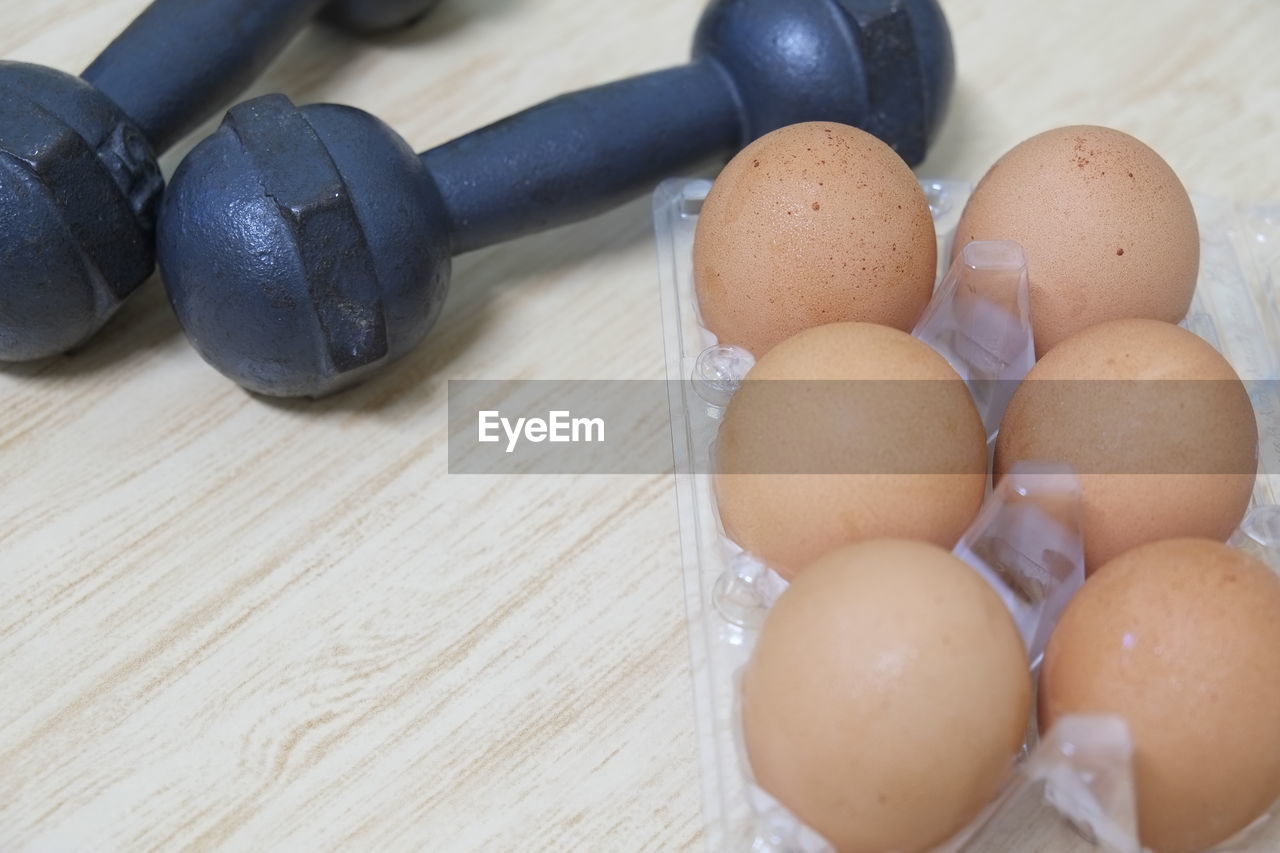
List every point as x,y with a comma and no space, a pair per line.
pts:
234,623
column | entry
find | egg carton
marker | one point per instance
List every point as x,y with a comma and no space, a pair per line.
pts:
1073,790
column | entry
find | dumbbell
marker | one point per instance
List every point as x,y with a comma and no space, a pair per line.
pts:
79,183
303,248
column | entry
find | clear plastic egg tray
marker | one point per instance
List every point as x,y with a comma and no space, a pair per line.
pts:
1072,790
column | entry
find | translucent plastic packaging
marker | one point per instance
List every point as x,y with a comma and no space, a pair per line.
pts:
1073,790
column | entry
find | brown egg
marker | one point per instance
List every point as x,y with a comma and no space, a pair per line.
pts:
1155,422
814,223
1108,229
1182,639
887,697
809,459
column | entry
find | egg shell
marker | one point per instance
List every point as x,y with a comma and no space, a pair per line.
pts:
1108,229
807,459
1158,455
887,697
810,224
1181,638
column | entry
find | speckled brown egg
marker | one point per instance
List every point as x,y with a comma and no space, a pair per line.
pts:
1155,422
1182,639
846,432
811,224
1107,226
887,697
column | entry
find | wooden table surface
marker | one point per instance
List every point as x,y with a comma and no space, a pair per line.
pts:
234,623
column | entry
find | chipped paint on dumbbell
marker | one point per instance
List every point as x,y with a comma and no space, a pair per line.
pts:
79,183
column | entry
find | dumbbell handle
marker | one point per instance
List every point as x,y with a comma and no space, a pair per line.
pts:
182,59
582,153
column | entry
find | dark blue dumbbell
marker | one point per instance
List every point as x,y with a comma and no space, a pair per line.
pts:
79,182
302,248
